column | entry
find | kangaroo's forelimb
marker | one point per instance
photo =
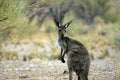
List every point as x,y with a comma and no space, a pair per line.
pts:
62,57
64,51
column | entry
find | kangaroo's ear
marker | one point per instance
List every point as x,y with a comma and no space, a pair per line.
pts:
57,23
67,24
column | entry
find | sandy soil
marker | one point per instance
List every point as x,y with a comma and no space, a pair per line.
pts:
107,69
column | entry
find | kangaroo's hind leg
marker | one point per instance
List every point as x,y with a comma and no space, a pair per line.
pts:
84,76
70,73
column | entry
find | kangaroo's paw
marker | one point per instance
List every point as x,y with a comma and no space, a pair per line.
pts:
63,60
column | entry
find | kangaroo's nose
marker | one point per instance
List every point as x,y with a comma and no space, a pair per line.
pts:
60,30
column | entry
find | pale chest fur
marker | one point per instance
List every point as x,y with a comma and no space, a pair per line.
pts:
62,43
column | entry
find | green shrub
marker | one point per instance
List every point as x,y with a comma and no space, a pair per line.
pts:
117,40
32,56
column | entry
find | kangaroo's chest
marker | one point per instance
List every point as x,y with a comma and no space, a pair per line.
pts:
62,43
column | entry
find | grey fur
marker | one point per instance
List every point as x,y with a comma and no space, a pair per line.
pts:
77,55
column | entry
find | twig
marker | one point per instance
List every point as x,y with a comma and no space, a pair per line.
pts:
3,19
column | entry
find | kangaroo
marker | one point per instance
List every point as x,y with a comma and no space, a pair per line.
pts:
78,59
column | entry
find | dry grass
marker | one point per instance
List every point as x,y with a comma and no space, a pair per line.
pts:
8,55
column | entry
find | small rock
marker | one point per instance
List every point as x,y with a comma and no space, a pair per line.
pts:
23,76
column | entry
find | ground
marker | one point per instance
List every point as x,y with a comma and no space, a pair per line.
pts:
107,69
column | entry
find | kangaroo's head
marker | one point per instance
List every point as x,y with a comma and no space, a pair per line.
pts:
61,29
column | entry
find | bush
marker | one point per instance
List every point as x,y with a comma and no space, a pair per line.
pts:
117,40
8,55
